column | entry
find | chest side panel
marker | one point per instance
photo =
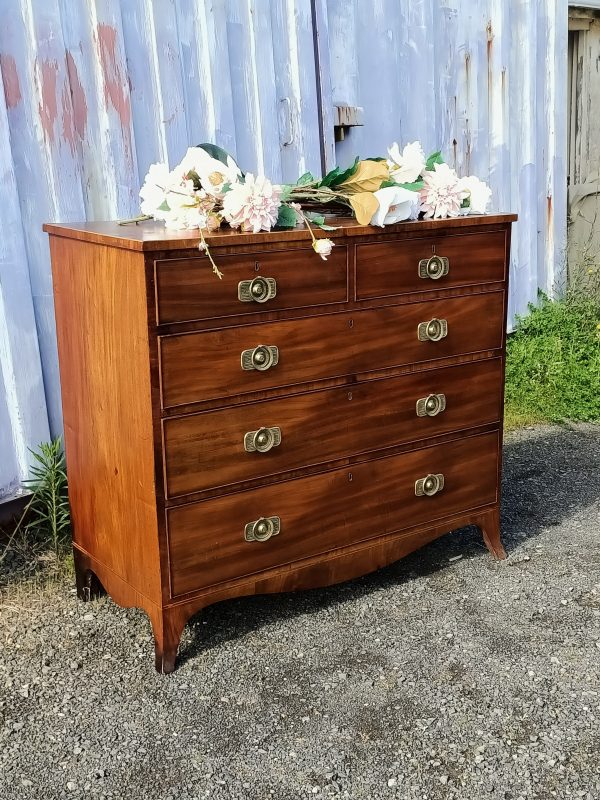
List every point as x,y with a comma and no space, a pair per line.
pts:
102,331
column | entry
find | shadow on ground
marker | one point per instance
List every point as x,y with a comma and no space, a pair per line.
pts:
549,474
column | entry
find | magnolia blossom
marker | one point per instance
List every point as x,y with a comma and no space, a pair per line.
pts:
395,205
406,167
323,247
442,195
252,205
477,192
213,174
154,190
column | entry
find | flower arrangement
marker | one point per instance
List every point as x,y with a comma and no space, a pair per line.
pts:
208,189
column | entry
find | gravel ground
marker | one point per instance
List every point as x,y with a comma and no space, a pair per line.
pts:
447,675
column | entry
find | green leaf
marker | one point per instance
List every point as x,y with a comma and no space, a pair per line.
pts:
347,173
326,227
286,192
216,152
226,187
164,206
287,217
308,177
434,158
415,186
319,221
331,176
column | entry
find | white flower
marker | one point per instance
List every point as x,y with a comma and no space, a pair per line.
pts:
154,190
395,205
213,173
323,247
477,192
252,205
406,167
441,196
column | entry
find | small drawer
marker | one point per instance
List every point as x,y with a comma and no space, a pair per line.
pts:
245,533
385,269
236,361
257,440
187,290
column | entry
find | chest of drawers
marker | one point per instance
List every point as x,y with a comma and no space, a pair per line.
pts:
297,424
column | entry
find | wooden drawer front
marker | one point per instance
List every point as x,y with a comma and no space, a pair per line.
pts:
203,366
322,512
389,268
207,450
186,289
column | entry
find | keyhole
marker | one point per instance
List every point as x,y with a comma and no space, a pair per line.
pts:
349,395
256,266
350,323
433,249
349,477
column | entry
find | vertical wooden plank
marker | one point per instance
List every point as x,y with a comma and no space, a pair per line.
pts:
150,35
296,88
323,80
206,77
23,415
249,40
45,157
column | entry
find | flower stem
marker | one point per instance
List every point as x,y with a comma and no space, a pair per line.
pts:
203,246
141,218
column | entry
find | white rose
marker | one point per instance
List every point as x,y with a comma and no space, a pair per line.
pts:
323,247
213,173
477,192
395,204
406,167
153,192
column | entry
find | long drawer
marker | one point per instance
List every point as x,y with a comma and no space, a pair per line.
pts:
390,268
210,364
186,289
219,539
222,447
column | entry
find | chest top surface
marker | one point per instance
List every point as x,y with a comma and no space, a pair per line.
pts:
151,236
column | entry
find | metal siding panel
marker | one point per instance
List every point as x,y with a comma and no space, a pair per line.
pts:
96,91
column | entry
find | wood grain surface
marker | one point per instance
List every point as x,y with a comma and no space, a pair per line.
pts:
319,513
391,268
102,330
186,289
206,450
200,366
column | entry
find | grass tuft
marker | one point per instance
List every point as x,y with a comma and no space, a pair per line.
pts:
553,360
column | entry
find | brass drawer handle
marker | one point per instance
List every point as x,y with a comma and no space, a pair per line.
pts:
432,331
261,358
258,290
262,440
429,485
431,406
261,530
435,267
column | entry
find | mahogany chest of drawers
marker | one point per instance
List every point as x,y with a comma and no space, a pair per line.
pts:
297,424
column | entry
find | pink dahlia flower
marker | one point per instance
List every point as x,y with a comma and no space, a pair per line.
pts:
252,205
442,194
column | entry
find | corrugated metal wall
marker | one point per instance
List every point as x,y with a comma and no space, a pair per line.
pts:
96,90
